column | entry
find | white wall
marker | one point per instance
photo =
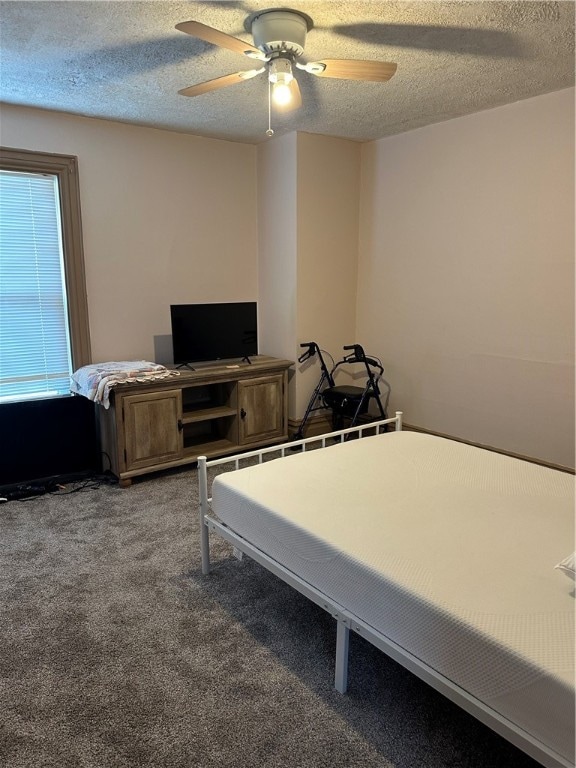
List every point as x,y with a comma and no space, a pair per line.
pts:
466,274
167,218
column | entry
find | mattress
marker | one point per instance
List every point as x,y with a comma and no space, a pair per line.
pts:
446,549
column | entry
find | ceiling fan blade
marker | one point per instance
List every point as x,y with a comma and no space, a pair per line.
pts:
214,36
220,82
353,69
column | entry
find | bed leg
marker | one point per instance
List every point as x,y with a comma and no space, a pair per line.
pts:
205,549
398,418
342,640
204,538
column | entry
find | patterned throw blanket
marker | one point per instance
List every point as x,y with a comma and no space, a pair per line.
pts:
95,381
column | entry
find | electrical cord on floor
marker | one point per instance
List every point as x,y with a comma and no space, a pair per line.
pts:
59,485
56,487
88,484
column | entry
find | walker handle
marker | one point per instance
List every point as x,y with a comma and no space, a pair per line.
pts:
310,351
361,357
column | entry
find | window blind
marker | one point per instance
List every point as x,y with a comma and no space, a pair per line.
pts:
35,358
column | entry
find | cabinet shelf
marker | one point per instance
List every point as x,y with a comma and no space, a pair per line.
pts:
206,414
210,448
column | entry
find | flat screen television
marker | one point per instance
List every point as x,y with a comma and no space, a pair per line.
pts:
203,332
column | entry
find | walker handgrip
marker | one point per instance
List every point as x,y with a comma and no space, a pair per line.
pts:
311,348
359,355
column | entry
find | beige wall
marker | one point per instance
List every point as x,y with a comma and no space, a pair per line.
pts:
308,193
277,245
447,251
167,218
328,211
466,274
277,250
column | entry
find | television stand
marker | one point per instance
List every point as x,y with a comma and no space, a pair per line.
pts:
215,410
247,360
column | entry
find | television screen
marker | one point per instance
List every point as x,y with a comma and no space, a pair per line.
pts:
213,331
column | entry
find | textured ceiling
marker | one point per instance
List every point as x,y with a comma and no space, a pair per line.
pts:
126,61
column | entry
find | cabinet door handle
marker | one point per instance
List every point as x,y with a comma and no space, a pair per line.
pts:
242,413
180,425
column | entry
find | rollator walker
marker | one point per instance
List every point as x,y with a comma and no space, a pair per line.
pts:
349,404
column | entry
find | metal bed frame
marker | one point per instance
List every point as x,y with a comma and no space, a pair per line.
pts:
345,619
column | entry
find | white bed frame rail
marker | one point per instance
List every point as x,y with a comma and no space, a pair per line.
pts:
345,620
282,449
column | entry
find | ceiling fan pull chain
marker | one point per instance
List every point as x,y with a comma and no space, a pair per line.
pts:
269,132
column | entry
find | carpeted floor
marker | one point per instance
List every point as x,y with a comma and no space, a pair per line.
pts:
116,652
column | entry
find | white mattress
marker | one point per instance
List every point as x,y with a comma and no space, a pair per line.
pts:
446,549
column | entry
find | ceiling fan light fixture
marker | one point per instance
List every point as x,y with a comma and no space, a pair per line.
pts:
280,75
280,70
281,94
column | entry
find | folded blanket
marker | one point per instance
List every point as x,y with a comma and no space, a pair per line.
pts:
95,381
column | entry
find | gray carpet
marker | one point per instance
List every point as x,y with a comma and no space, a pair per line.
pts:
115,651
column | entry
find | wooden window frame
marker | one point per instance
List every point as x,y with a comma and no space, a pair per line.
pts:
65,167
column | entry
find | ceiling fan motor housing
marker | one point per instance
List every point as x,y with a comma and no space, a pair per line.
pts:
279,30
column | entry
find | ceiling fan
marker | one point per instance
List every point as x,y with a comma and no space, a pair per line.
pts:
279,36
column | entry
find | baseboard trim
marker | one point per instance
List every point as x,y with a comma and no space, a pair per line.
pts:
317,424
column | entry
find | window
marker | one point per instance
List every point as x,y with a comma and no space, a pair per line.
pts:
44,332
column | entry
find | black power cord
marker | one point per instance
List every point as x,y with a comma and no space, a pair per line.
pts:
56,486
